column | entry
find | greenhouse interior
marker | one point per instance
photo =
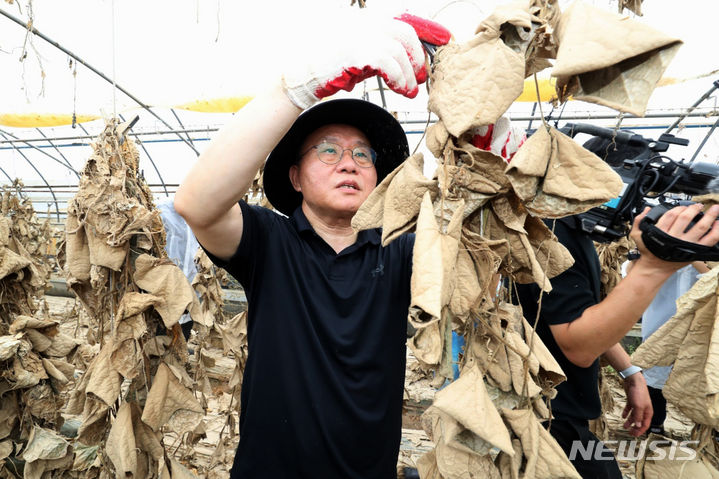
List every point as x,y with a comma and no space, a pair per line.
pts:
125,345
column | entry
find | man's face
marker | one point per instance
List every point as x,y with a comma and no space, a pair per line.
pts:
333,190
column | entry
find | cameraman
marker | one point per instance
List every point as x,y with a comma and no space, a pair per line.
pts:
578,327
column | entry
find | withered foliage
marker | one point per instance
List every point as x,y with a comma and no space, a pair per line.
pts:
24,270
631,5
608,59
478,225
256,193
611,257
34,352
211,379
688,343
136,387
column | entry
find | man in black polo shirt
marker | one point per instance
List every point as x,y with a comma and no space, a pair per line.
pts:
578,328
327,307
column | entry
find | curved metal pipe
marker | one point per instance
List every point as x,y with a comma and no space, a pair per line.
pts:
94,70
5,173
83,129
69,167
174,113
52,192
58,152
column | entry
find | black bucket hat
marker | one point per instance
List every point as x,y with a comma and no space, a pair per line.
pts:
383,131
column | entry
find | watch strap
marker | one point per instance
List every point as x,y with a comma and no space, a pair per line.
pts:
631,370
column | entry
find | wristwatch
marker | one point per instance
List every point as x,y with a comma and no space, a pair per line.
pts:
631,370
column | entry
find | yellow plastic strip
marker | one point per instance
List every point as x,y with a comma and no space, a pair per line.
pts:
32,120
217,105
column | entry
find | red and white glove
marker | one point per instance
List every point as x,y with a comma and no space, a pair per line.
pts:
427,30
358,47
501,138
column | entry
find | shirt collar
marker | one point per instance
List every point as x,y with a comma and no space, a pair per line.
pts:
302,224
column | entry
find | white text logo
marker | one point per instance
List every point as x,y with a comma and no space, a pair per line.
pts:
633,450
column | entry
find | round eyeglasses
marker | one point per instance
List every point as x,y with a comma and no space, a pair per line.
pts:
331,154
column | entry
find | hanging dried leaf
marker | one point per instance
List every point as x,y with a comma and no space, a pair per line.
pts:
170,403
121,447
207,283
43,403
44,444
434,258
394,204
427,466
632,5
234,335
454,462
9,414
6,448
465,404
436,138
545,17
8,346
666,462
11,262
38,469
26,371
126,356
611,257
690,342
543,457
550,373
606,59
54,372
24,272
554,176
467,290
470,185
93,396
489,351
426,344
530,253
77,249
85,457
473,84
164,279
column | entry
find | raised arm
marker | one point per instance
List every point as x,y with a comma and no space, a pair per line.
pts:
603,325
208,197
364,46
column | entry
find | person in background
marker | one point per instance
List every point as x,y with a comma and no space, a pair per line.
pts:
578,327
181,247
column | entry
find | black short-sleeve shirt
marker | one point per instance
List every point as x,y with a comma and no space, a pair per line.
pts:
573,291
323,384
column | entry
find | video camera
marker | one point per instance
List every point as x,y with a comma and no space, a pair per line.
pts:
650,179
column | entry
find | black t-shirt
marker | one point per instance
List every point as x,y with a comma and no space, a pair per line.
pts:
323,385
573,291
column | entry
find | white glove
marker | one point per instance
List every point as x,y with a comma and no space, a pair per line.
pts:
353,48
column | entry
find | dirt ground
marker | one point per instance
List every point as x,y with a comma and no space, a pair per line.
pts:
201,454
